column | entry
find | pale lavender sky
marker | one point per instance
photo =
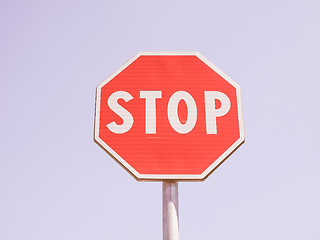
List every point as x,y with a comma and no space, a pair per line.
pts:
56,183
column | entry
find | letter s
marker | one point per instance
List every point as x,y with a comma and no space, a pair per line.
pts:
121,112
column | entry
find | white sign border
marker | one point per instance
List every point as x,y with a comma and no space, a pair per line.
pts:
160,177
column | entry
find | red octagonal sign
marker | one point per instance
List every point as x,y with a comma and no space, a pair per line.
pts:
169,116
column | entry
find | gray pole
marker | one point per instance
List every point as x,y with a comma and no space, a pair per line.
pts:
170,211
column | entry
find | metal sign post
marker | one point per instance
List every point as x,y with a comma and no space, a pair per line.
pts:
170,208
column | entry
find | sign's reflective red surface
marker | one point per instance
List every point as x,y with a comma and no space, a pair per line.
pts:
169,116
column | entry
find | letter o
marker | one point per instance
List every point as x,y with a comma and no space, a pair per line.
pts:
173,112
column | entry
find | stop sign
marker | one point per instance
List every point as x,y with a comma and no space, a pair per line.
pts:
169,116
